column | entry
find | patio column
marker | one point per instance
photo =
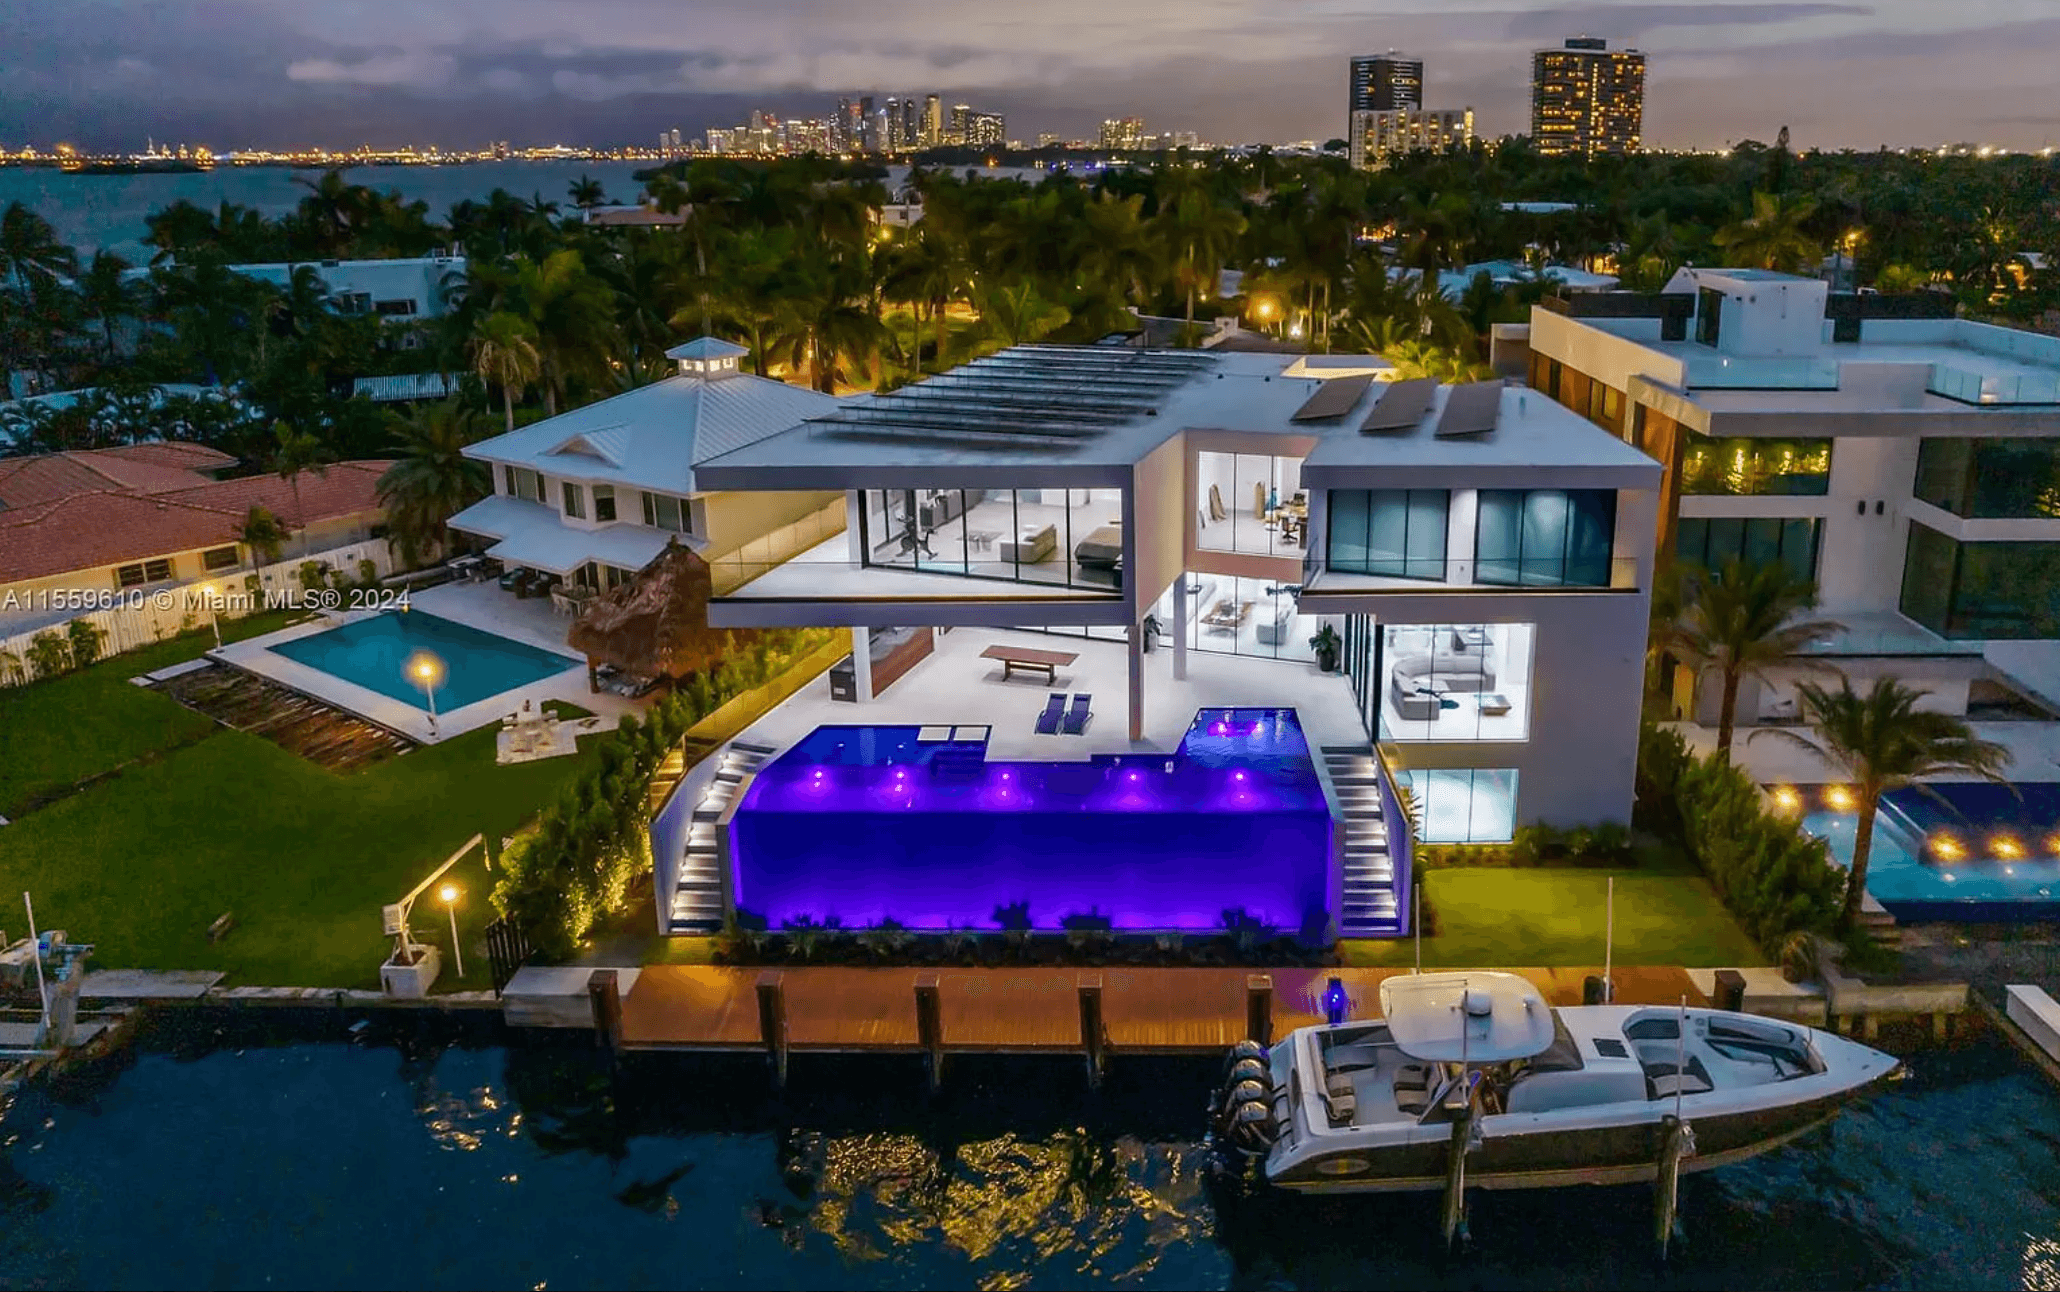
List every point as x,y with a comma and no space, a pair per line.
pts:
1136,652
862,663
1180,628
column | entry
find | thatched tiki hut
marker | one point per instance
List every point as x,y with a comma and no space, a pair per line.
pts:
655,626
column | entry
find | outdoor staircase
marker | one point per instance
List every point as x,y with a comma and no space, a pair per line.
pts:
1372,908
697,901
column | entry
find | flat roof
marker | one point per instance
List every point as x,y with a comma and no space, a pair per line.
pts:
1235,393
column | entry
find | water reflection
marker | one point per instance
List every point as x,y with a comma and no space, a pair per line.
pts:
428,1159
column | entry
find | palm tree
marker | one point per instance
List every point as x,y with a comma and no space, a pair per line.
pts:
586,192
1881,741
504,354
1199,234
1774,236
30,248
293,453
433,479
573,315
1743,621
106,295
262,533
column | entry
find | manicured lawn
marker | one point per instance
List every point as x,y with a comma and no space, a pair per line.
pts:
1666,914
58,732
303,858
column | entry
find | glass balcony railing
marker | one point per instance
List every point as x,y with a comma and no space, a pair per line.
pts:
1738,372
1971,387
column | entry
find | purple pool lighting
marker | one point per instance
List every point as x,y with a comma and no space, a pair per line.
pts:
871,823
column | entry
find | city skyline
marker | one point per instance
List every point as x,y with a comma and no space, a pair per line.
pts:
104,73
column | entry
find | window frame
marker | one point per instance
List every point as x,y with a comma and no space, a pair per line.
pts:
209,563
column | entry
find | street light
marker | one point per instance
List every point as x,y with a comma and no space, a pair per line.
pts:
428,670
449,894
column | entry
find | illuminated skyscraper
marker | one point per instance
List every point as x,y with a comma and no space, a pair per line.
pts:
1587,99
933,121
1386,83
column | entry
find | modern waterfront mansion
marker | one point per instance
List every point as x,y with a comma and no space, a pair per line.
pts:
1906,460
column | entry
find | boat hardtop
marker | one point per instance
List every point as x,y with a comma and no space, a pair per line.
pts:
1466,1017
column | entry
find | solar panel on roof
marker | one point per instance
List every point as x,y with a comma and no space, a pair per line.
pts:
1401,406
1333,398
1470,409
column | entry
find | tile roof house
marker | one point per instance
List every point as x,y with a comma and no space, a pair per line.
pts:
153,514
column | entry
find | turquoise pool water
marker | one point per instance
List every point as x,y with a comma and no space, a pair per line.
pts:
374,653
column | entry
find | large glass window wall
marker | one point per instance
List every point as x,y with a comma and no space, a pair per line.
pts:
1237,616
1990,479
1545,537
1068,537
1750,466
1394,532
1715,542
1981,591
1250,502
1464,804
1454,681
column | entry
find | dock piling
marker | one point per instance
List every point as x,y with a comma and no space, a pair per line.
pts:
1259,1008
1677,1140
772,1023
1094,1036
604,994
930,1028
1455,1179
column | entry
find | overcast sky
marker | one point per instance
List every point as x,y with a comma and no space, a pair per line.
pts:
232,73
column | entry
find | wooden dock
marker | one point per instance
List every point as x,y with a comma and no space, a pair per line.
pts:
1009,1010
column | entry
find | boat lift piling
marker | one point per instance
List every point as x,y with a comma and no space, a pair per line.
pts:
1677,1140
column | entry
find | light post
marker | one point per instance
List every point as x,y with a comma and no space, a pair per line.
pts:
427,669
449,894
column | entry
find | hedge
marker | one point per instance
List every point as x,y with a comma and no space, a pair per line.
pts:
1774,879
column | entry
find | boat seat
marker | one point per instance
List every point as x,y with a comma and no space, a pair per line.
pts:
1412,1087
1665,1080
1339,1099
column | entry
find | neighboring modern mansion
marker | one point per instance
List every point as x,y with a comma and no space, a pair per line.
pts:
1483,555
1906,460
594,494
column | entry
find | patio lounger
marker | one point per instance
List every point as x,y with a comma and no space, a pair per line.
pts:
1054,709
1076,718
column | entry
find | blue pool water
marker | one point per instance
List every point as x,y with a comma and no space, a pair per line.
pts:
872,823
374,653
1985,854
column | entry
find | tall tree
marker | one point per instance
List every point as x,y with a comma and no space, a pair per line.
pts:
432,479
107,297
1880,741
294,454
573,315
1775,236
1199,234
504,354
1744,621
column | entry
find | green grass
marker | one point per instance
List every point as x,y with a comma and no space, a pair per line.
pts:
1666,914
56,733
141,864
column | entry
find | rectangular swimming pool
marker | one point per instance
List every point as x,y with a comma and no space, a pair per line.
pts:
376,652
915,825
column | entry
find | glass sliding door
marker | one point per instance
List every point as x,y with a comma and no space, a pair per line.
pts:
1545,537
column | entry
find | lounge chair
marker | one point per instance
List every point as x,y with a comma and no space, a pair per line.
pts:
1054,710
1076,717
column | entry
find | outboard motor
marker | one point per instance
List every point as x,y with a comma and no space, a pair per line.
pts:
1247,1070
1252,1130
1237,1096
1240,1052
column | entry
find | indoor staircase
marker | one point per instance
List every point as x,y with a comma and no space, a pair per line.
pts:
697,901
1372,907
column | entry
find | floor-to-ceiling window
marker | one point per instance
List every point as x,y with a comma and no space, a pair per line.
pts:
1455,681
1714,542
1545,537
1749,466
2014,478
1394,532
1070,537
1981,591
1464,804
1237,616
1250,502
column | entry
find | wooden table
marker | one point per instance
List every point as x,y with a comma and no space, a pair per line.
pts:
1046,662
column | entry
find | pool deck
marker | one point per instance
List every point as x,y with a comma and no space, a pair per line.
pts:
478,605
833,1009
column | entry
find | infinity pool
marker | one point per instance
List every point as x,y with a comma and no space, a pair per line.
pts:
1963,852
375,652
915,825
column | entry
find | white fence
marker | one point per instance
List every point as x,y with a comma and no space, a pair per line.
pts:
144,616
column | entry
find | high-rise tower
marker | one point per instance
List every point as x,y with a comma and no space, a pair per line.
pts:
1587,99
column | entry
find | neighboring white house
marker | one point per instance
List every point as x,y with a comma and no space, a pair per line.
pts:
593,494
1906,460
1483,554
394,289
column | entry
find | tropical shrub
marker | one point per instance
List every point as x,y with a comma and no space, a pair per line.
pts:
1605,844
49,654
86,638
1773,878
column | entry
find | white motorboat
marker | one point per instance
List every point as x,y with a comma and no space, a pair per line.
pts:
1540,1096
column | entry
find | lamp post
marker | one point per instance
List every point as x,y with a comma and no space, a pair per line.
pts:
449,894
428,670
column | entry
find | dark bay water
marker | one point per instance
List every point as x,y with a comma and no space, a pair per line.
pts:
224,1155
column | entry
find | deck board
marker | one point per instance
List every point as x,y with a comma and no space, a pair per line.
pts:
1031,1009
